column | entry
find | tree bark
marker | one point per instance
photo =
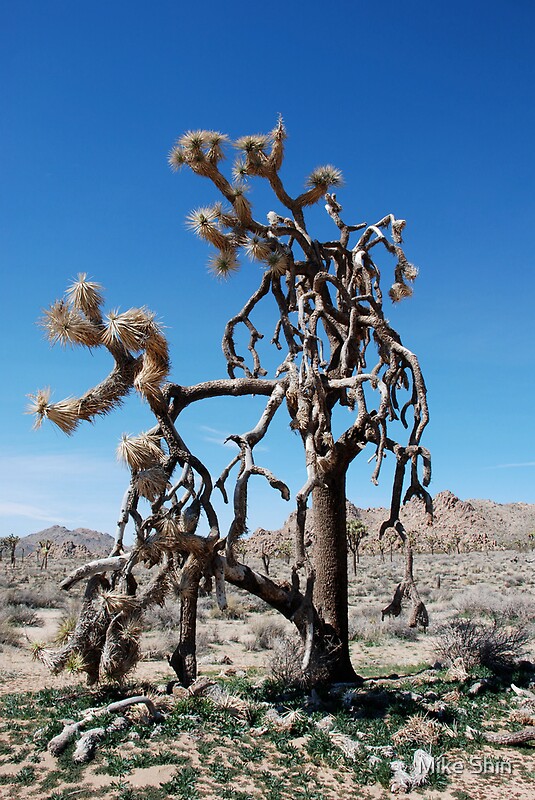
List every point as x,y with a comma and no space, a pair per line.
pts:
330,565
184,658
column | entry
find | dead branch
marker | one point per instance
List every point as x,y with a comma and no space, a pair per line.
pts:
110,564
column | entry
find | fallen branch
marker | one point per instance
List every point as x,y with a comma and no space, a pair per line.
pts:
517,737
111,564
86,746
120,705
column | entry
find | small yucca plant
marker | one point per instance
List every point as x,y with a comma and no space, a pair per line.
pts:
75,663
66,627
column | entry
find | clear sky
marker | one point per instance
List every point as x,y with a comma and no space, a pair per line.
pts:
427,108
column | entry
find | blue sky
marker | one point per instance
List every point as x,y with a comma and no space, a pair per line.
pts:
427,108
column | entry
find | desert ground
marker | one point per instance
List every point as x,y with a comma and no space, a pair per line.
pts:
205,750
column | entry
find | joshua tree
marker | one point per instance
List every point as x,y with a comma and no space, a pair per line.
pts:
356,532
45,546
11,542
266,559
284,551
336,349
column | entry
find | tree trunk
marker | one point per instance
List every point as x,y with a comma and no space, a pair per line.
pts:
329,554
184,659
266,561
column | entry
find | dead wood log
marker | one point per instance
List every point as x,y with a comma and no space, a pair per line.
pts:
59,743
516,737
86,746
111,564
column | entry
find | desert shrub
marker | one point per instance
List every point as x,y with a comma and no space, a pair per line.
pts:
514,580
21,615
360,591
236,609
365,630
204,640
442,596
495,646
8,635
255,605
365,627
204,606
158,647
487,603
207,635
45,596
66,626
265,633
398,629
163,618
425,592
284,663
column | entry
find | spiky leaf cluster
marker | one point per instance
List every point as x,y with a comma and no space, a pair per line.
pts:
198,149
77,320
140,452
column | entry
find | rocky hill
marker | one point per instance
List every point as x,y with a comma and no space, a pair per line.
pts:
78,542
509,525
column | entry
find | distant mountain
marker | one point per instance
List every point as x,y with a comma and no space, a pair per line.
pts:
81,541
515,520
509,524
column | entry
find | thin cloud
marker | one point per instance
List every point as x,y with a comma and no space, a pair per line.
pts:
215,440
28,511
218,437
41,465
217,431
